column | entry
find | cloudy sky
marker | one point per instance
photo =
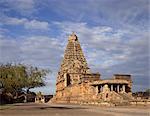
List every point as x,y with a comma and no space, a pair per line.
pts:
113,34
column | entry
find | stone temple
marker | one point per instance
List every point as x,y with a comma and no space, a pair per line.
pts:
77,84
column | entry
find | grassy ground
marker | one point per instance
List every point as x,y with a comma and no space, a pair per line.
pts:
5,106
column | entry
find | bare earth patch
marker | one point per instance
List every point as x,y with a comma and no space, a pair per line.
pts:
32,109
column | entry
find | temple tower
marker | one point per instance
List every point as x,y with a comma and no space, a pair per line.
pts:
73,65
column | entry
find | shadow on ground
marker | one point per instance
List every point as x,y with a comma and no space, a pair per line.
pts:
58,107
44,107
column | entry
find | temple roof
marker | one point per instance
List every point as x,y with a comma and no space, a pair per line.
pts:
110,81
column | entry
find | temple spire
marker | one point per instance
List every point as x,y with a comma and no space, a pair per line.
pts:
73,37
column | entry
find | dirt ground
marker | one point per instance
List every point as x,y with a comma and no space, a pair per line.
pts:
32,109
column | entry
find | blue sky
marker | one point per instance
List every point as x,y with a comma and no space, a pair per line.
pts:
113,34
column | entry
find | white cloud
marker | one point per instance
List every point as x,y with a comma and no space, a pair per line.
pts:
102,12
34,24
110,50
28,24
24,7
9,51
113,34
107,50
3,31
40,51
14,21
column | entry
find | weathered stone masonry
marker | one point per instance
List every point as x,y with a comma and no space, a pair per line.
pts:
77,84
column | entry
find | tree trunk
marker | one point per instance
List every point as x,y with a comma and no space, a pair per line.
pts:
16,95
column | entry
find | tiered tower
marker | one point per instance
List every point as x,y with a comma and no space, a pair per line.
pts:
74,60
73,64
74,68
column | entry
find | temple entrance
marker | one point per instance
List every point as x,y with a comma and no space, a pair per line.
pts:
68,80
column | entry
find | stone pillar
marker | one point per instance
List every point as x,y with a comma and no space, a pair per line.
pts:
111,88
123,88
97,90
118,88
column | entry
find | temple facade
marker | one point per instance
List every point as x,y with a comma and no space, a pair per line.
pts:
77,84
